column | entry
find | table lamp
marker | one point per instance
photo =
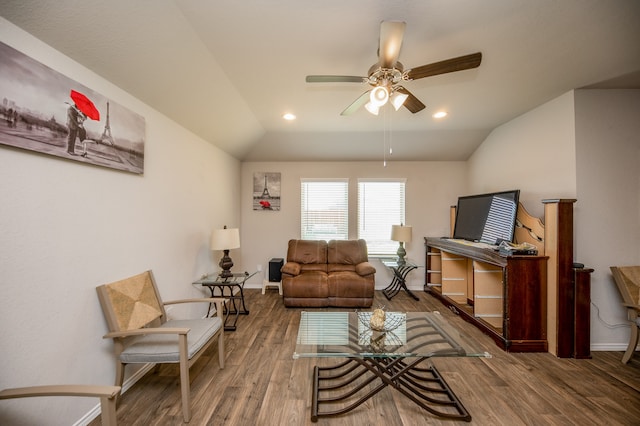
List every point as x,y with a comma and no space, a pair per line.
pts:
402,234
225,239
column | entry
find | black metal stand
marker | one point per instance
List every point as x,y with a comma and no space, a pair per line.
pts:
345,386
398,283
233,289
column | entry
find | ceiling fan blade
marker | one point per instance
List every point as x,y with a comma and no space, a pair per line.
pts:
356,104
335,79
450,65
391,34
412,103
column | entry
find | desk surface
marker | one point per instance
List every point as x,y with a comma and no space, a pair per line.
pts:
409,334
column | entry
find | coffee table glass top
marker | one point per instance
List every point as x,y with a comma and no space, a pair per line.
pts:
405,334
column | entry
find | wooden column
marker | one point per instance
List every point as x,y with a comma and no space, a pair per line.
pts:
582,336
558,237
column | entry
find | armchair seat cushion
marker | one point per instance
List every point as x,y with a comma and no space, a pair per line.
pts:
162,348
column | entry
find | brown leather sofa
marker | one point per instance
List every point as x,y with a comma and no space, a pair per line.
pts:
321,274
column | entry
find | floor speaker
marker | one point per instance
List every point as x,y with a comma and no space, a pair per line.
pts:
275,265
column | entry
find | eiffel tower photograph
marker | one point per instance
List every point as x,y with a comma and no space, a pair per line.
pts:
44,111
266,191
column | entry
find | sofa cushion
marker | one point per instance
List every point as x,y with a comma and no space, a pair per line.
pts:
348,289
340,267
347,252
307,252
349,284
312,284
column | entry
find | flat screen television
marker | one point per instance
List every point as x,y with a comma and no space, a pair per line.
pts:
487,218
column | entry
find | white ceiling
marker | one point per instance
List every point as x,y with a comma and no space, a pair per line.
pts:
228,70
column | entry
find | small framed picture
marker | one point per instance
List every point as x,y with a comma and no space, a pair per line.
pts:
266,191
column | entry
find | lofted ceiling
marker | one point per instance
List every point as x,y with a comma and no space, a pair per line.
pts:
228,70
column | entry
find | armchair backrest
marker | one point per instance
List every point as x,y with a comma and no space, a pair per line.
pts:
131,303
627,279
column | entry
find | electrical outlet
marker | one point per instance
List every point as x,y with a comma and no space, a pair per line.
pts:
259,268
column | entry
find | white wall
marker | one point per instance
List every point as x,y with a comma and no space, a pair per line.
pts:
534,153
66,228
430,189
607,215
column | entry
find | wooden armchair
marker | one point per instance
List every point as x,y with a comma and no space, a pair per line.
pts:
627,279
107,395
142,333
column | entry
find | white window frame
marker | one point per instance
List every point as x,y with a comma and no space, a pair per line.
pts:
324,223
378,210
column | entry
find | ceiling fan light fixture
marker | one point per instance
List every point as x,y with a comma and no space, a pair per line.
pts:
397,99
379,96
373,109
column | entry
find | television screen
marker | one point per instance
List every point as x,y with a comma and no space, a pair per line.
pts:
487,218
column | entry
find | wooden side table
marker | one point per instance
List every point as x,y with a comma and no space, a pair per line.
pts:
231,288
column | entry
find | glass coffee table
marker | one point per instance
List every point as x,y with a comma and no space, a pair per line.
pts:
397,357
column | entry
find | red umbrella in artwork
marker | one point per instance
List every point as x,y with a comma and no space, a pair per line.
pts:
85,105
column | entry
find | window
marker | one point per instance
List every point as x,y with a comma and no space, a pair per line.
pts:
324,207
380,205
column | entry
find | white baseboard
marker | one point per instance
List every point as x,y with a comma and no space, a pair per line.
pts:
95,411
609,347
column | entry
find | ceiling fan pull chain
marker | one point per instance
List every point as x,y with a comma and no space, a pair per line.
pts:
384,137
390,135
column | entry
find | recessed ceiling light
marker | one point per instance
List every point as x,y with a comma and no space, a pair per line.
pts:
288,116
439,114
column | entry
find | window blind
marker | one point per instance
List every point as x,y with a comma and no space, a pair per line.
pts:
381,203
324,209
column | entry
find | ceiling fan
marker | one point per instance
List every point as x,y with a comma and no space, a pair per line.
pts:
388,73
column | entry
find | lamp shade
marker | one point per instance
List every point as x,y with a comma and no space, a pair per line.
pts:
397,99
372,108
401,233
225,239
379,96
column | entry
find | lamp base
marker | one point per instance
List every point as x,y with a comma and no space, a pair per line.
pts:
401,254
225,264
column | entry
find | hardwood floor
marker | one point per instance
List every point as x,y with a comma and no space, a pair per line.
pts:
262,384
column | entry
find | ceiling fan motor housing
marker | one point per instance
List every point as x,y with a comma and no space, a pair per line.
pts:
379,76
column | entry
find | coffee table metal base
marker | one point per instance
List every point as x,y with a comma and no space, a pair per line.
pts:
346,386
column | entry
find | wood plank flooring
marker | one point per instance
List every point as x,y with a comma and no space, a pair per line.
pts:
262,384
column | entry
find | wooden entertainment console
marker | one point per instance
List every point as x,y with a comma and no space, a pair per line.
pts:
525,303
506,297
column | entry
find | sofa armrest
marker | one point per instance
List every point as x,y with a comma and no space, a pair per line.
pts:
365,268
291,268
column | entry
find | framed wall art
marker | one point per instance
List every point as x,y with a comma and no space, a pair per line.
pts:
266,191
47,112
